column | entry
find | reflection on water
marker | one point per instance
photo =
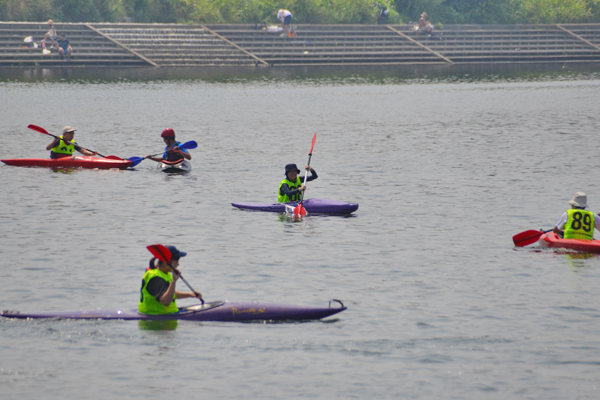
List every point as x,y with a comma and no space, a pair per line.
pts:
319,75
159,325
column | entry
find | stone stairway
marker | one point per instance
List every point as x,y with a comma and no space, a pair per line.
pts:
89,48
248,45
170,45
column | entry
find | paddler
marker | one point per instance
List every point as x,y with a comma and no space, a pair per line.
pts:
578,223
172,150
158,293
291,188
64,145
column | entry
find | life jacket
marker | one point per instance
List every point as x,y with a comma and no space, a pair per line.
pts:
149,304
292,185
172,155
580,224
64,148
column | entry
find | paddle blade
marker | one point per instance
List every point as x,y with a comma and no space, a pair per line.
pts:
313,144
528,237
38,128
299,211
135,160
161,252
189,145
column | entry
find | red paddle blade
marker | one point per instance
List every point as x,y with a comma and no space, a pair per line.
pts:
313,143
38,128
299,211
161,252
527,237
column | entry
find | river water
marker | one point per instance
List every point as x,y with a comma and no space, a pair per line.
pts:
447,165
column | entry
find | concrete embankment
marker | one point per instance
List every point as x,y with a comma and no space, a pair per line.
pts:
170,45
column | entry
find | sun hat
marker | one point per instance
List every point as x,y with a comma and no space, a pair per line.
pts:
169,132
291,167
176,254
579,200
68,129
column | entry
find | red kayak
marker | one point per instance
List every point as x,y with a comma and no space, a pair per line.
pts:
72,162
551,239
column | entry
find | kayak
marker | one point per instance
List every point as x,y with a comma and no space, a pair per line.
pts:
551,239
71,162
214,311
312,206
175,166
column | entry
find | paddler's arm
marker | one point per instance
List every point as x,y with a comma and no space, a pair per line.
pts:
167,297
53,144
285,190
597,222
157,159
86,152
185,155
185,295
560,225
313,175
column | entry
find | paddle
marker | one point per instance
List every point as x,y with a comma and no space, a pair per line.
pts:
528,237
187,145
42,130
164,254
299,210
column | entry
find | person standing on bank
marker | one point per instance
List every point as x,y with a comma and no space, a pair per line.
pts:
64,145
291,188
172,150
158,293
578,223
51,34
286,19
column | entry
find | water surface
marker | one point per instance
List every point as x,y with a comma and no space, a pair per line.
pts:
446,165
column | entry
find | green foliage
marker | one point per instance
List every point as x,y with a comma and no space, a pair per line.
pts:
305,11
552,11
25,10
476,11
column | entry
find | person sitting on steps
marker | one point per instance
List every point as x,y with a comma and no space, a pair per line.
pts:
424,26
64,47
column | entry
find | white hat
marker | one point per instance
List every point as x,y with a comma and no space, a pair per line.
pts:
579,200
68,129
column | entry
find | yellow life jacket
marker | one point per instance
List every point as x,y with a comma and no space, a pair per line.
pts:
580,224
63,148
150,304
293,186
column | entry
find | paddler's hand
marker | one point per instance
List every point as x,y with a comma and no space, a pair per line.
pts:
302,188
198,295
176,273
308,167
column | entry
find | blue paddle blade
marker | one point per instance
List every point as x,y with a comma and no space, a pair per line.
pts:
135,160
189,145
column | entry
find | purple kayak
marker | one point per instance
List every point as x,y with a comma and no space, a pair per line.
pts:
312,206
214,311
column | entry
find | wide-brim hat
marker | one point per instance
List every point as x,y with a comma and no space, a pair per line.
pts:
175,253
579,200
291,167
68,129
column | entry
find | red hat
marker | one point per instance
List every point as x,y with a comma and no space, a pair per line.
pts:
169,132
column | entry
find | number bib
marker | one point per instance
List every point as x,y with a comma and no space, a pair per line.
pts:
580,224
